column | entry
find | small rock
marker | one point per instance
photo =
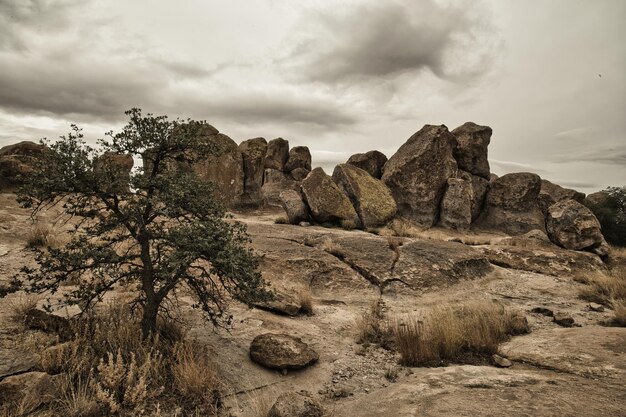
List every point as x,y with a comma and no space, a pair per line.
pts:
563,319
501,362
281,351
50,323
543,311
33,388
596,307
519,325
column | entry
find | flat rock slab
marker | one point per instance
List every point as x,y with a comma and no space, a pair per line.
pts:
14,362
281,351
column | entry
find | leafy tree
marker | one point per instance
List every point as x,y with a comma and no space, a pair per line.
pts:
158,227
610,210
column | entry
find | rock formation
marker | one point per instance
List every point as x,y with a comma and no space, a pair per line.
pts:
275,182
552,193
456,205
327,202
296,209
277,154
281,351
372,162
253,152
299,157
478,188
418,172
371,199
16,161
573,226
512,204
470,148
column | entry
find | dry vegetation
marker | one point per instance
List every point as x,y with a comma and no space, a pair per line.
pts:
373,328
608,289
281,220
110,370
42,235
305,299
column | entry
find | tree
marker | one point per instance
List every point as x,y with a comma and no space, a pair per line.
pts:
610,209
158,227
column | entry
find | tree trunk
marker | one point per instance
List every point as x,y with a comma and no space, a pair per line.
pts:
149,319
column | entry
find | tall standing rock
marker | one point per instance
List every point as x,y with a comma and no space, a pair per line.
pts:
372,162
327,202
371,198
253,152
512,205
418,172
479,186
551,193
274,183
573,226
456,211
299,157
17,161
277,154
470,148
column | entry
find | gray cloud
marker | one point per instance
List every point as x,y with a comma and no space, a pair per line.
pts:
395,37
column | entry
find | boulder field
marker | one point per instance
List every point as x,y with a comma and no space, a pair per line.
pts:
437,177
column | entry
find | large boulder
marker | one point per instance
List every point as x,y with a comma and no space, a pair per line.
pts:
296,209
277,154
116,170
512,205
299,157
470,148
281,351
253,152
299,174
17,161
418,172
371,198
372,162
296,404
327,202
551,193
573,226
456,210
596,199
479,186
274,183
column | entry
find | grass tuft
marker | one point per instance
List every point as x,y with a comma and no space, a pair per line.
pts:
305,298
42,236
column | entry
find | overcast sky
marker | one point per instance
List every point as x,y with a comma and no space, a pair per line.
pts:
549,76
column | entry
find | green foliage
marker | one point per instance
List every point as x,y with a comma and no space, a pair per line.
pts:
158,227
611,212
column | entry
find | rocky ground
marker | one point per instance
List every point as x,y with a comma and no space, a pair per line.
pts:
556,371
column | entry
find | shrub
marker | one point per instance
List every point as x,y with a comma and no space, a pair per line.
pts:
608,289
464,333
281,220
305,298
611,213
372,327
41,235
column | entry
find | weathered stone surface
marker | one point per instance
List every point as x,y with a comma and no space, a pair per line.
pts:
281,351
479,186
563,319
456,210
17,161
511,205
32,388
501,362
51,323
371,199
327,202
281,303
372,162
552,193
299,174
299,157
296,404
432,264
117,169
573,226
253,152
276,182
14,362
277,154
296,209
596,199
418,172
470,149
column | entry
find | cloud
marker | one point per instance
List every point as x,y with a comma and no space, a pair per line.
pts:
394,37
506,167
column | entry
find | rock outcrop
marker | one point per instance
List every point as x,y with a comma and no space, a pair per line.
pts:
253,152
296,404
32,388
371,199
456,205
327,202
372,162
573,226
281,351
299,157
512,205
116,168
479,186
277,154
274,183
296,209
17,161
418,172
299,174
551,193
470,148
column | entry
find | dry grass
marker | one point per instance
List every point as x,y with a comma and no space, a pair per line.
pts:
19,307
260,404
402,228
112,370
281,220
331,247
348,224
465,333
372,327
305,299
42,235
608,289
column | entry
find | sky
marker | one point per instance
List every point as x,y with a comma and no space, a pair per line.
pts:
549,76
